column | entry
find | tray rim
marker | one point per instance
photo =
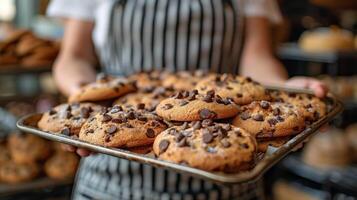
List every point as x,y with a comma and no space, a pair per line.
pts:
219,177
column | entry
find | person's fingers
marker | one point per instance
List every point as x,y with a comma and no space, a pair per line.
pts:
318,88
83,152
67,147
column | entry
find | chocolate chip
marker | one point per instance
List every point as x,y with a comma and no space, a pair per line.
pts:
90,131
66,131
244,145
85,112
130,115
276,111
207,122
140,106
207,98
142,118
192,95
167,106
229,88
67,108
239,95
107,138
119,120
248,79
238,133
210,93
184,125
128,125
150,133
316,115
197,125
264,104
280,119
185,94
207,114
272,121
244,115
163,145
178,95
106,118
182,143
227,101
112,129
183,103
225,143
173,131
293,95
207,138
179,136
67,114
52,112
258,117
187,133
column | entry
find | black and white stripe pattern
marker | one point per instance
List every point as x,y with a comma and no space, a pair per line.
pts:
175,35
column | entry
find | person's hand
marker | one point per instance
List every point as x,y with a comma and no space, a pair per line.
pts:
80,151
319,88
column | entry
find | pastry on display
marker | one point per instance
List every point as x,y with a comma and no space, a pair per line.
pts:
208,146
105,87
322,40
192,106
68,119
242,90
11,172
23,48
270,119
117,127
328,150
26,148
62,166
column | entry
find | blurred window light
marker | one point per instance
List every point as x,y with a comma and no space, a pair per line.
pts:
7,10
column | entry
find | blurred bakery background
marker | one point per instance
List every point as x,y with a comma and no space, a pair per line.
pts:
317,38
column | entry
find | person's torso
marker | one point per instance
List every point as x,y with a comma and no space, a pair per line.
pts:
173,35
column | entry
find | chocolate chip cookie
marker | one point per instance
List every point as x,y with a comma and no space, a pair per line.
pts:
27,148
11,172
270,119
314,107
208,146
67,119
148,98
105,87
242,90
191,106
183,80
62,166
122,128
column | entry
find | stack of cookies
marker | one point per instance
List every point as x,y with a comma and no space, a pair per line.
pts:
25,49
23,157
204,120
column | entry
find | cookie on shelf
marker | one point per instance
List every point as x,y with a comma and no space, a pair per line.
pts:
62,166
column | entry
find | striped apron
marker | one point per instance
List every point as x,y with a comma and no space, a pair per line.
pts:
172,35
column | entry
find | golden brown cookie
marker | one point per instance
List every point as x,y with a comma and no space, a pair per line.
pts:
191,106
67,119
103,89
314,107
122,128
27,148
208,146
274,142
29,43
62,166
328,150
11,172
149,98
147,80
242,90
183,80
270,119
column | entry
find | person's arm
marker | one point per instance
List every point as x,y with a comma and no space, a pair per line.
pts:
259,62
75,63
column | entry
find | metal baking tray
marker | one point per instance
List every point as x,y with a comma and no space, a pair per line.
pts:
270,158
